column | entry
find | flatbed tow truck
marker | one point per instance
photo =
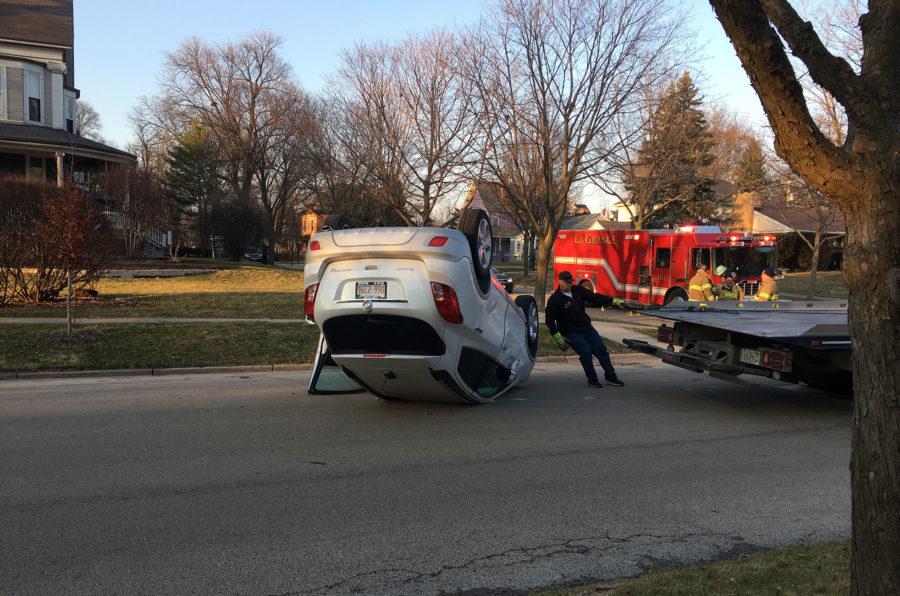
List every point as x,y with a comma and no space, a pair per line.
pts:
787,341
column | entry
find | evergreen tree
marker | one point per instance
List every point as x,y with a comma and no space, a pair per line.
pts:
191,182
666,183
751,174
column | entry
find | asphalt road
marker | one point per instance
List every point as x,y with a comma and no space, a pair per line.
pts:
244,484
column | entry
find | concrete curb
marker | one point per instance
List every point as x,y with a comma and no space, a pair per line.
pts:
156,372
617,359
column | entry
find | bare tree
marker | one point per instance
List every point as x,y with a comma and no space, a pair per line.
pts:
792,196
861,175
243,94
87,121
407,120
550,78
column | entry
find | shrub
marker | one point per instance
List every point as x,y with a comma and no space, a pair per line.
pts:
46,232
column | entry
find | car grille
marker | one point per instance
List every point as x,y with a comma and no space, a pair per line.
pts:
382,334
749,287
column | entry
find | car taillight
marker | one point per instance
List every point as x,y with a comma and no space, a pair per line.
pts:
438,241
446,302
314,245
309,301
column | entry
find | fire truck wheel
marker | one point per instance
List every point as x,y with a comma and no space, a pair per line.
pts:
675,294
529,307
476,225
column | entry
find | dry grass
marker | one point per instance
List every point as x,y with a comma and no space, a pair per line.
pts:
240,291
798,570
829,284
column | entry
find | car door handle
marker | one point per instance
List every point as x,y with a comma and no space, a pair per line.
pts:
478,330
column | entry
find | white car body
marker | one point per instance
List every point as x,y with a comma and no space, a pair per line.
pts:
398,345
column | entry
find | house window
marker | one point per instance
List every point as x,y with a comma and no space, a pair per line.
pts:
2,92
70,113
34,93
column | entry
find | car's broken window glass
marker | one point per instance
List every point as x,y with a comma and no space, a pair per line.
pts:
327,377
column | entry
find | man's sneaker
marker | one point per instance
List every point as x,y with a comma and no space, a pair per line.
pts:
615,382
595,384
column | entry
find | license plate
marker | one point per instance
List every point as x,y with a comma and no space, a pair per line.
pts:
750,356
371,290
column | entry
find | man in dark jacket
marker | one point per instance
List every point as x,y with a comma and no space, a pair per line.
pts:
570,324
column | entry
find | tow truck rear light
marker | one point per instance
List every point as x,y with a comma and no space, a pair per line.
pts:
309,301
446,302
438,241
314,245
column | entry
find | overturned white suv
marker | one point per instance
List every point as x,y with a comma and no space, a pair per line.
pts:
414,313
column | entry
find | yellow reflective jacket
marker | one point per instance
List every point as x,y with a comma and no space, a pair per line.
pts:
767,289
700,287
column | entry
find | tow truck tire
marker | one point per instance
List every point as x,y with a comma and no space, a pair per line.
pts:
675,294
532,327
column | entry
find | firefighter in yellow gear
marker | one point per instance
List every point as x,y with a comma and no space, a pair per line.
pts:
767,287
728,290
700,286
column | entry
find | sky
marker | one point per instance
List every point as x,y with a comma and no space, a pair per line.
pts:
120,45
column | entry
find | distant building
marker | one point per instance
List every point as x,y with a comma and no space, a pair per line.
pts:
38,97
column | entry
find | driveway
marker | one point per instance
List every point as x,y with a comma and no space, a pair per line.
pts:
243,483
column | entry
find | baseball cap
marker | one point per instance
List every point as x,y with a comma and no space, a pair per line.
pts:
770,272
565,276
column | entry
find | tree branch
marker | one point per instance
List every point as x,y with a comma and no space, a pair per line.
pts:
797,138
830,72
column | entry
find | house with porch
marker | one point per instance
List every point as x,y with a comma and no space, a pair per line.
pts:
39,100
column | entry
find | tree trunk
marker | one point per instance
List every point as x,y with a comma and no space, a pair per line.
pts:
69,302
872,272
814,266
544,248
526,242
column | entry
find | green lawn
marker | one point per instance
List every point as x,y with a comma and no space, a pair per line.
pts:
238,291
829,284
798,570
94,347
547,346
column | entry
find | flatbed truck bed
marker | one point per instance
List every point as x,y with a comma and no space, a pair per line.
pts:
787,341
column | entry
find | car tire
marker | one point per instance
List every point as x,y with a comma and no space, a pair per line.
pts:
336,222
532,326
476,225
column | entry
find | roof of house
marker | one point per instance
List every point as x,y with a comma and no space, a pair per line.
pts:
47,22
592,221
57,139
802,219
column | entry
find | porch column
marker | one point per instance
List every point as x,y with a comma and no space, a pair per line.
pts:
60,175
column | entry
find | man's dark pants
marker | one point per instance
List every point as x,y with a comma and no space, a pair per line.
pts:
588,344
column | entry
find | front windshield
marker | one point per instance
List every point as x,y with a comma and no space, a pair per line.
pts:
745,260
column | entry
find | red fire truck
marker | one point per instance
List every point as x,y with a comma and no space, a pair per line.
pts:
654,266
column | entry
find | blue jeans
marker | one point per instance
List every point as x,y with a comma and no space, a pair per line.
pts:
588,344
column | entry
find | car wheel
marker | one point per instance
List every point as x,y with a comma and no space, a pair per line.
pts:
336,222
529,307
476,225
